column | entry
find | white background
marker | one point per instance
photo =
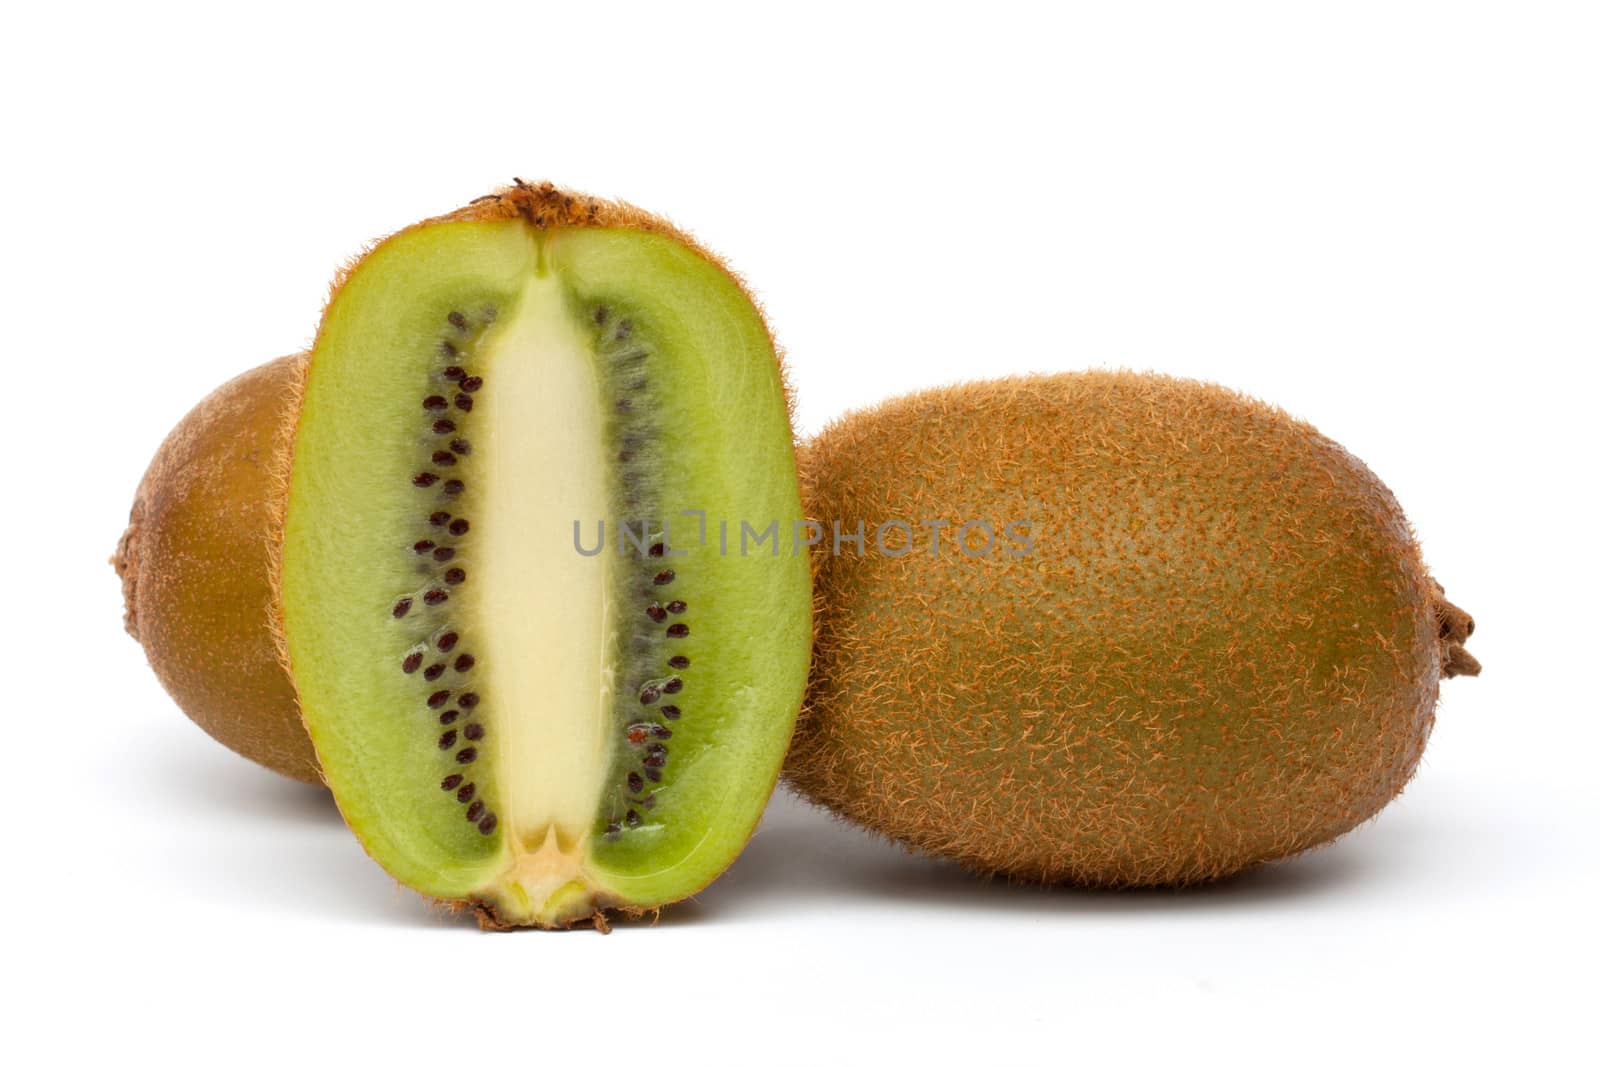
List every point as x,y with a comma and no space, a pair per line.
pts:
1382,216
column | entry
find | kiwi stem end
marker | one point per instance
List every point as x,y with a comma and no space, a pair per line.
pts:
1455,626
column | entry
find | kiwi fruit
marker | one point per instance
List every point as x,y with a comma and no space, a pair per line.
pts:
1111,629
195,568
539,680
1169,633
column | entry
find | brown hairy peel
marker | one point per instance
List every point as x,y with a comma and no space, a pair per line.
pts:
1224,648
194,569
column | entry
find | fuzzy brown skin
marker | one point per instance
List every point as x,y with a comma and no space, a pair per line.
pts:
1223,649
194,569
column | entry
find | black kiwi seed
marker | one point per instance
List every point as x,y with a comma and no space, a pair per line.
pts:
450,782
435,597
632,818
461,447
664,577
653,773
678,662
473,732
459,527
671,711
454,374
487,824
412,662
439,518
464,662
463,401
471,384
464,794
468,700
438,699
635,782
658,549
435,403
421,547
443,426
424,479
649,695
466,755
454,487
677,607
678,629
458,320
474,810
448,717
433,672
442,554
662,732
447,739
448,641
455,576
402,606
656,612
674,685
442,458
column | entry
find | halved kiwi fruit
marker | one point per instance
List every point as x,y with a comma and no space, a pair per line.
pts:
539,680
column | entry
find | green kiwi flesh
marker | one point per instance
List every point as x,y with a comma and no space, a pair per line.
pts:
509,719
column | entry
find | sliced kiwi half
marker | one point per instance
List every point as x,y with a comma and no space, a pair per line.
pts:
540,681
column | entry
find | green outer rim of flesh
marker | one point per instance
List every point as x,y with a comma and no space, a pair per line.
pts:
347,519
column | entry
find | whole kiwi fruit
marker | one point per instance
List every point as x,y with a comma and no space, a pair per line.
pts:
1168,632
517,711
195,564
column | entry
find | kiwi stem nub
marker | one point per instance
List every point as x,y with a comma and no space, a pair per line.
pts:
1455,626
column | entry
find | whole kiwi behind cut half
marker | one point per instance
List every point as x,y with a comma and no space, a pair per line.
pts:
195,563
541,679
1113,629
